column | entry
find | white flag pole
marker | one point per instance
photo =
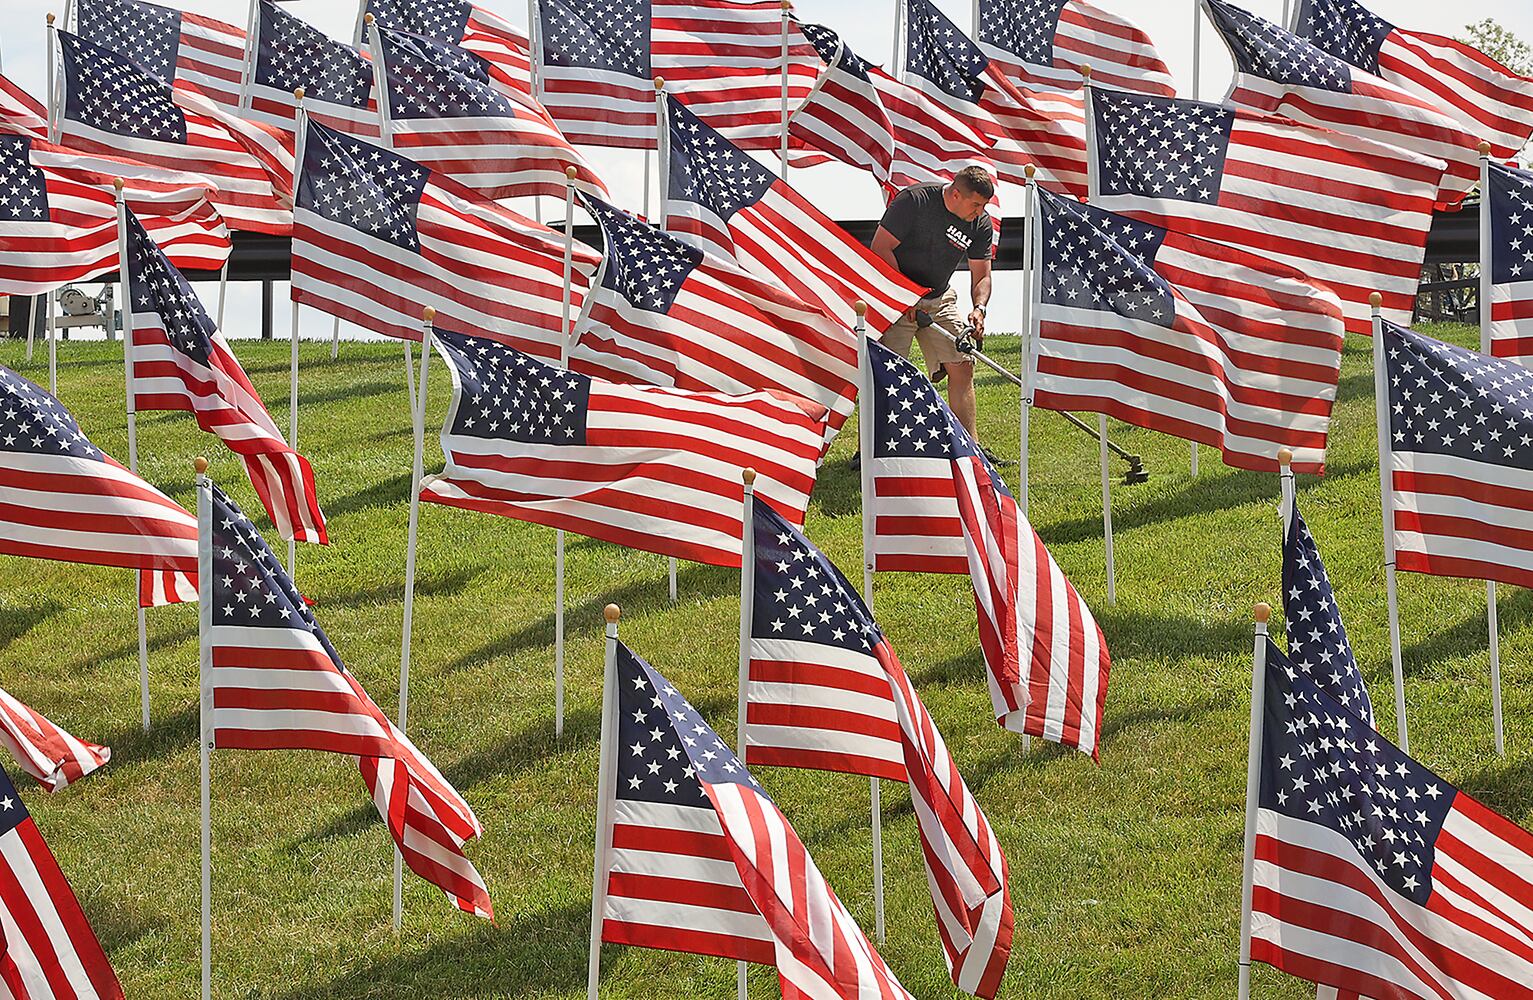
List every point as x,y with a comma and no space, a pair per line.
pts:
53,344
223,288
252,46
1387,504
132,410
55,123
747,615
300,125
566,341
896,58
1197,48
1285,490
782,150
604,795
663,191
1253,786
205,707
1107,535
1032,283
1491,622
55,96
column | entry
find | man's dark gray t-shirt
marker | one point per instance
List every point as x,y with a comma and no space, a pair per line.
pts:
932,239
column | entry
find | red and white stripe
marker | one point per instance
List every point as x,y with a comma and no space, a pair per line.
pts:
1511,300
485,34
161,588
1118,51
46,752
1459,517
20,112
1511,321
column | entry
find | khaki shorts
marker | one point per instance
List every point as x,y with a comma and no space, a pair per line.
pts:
936,348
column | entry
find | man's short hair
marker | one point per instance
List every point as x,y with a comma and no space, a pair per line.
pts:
975,179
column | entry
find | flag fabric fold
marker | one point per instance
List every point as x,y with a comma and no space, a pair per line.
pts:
287,53
1509,204
1045,45
467,26
46,752
178,47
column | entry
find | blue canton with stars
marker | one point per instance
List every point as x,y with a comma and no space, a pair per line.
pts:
1323,764
664,746
146,33
442,20
371,189
1160,147
936,50
105,91
34,423
1086,268
431,79
826,41
708,169
1025,28
1446,400
645,265
1344,28
12,812
157,286
293,54
800,594
1511,224
1262,49
1317,640
910,420
23,187
597,34
506,395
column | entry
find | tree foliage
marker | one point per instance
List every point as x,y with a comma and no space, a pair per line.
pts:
1500,43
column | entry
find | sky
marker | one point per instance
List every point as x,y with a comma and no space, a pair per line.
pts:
867,26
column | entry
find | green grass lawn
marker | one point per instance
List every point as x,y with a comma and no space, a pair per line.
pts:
1125,876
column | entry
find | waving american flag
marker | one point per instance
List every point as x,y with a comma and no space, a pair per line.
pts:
1043,44
1506,209
178,47
20,112
1317,639
287,53
458,22
46,752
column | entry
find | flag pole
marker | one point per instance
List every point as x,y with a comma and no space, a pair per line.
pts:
1107,535
663,192
53,116
1031,284
566,340
1491,612
1285,490
1387,504
787,17
53,344
604,794
55,113
1197,48
1253,789
223,288
252,44
205,707
417,473
897,70
132,411
747,615
300,127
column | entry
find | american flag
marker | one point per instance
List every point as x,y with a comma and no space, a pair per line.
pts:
1183,336
457,22
1507,210
181,361
378,238
20,112
445,113
827,691
1351,213
46,752
175,46
703,861
722,58
58,216
1317,639
939,506
1461,459
663,312
1277,72
725,201
650,468
112,106
288,53
1490,101
1044,43
62,498
1371,873
48,944
278,684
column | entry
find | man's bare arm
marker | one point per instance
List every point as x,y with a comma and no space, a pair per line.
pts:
979,289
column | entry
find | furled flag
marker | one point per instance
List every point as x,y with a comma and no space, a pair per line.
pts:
278,684
663,312
1371,873
444,112
113,106
722,58
1351,213
50,950
58,216
725,201
1277,72
287,53
646,467
1317,639
1044,128
46,752
1044,43
62,498
177,47
1460,459
20,112
1508,204
181,361
1490,101
1183,336
702,860
378,238
938,506
827,691
457,22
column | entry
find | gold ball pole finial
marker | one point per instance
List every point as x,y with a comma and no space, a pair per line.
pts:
117,184
50,20
787,4
612,613
1086,73
1031,170
1262,613
659,83
297,93
1484,148
1285,457
748,476
200,464
428,314
860,307
368,19
572,172
1375,299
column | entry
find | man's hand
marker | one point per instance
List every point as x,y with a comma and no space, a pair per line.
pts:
977,321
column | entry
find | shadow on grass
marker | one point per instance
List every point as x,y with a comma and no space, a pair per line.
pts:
166,735
390,492
1138,634
426,585
1506,787
346,393
17,622
119,923
1468,637
157,639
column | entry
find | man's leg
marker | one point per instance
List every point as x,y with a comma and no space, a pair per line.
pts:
960,395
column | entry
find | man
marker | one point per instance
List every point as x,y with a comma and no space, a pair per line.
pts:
926,230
